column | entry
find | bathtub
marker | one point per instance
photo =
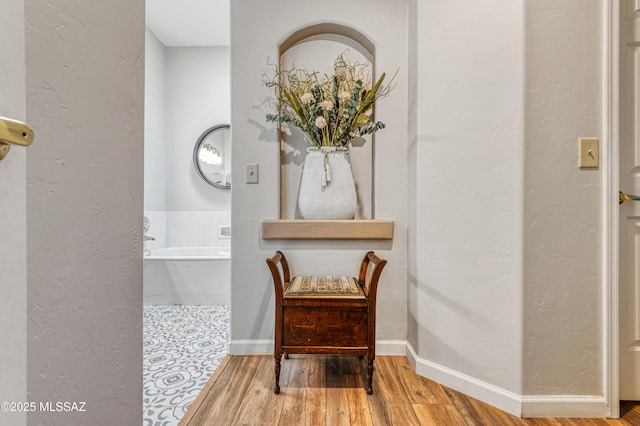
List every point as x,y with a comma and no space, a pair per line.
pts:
187,276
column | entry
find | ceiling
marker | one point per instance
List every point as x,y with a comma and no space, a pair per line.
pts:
181,23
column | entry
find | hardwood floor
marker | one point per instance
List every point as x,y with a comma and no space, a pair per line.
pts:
329,390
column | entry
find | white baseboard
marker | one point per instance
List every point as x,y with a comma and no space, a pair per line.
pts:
250,347
391,347
485,392
584,406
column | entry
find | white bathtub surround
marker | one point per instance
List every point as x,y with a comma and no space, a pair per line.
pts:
189,262
188,228
196,228
224,232
187,276
189,253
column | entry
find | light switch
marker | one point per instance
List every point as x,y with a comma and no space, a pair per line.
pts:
589,153
252,173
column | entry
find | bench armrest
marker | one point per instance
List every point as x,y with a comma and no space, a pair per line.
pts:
280,281
370,270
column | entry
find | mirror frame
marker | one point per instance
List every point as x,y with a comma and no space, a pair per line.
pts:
199,142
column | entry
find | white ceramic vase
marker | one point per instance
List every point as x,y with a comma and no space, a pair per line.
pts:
327,188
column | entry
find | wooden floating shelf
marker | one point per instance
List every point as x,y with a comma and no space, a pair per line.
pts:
355,229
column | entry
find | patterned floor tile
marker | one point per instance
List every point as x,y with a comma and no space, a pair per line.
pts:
182,347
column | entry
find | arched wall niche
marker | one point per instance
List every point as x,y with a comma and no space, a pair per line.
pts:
315,48
328,28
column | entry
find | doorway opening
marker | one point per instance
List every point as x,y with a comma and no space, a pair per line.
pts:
187,203
620,93
628,124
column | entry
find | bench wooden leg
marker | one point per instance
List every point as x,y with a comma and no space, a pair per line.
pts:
276,388
370,377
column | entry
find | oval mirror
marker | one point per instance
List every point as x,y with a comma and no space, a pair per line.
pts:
212,156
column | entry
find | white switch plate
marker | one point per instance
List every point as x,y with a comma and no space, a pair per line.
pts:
589,153
252,173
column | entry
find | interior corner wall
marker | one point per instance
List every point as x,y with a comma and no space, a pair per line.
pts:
85,95
385,23
466,180
412,170
562,280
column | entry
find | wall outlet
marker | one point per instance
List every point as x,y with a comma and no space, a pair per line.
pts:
252,173
224,232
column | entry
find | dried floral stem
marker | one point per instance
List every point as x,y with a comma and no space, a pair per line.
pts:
330,110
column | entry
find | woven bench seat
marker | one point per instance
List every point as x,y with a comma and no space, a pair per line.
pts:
324,285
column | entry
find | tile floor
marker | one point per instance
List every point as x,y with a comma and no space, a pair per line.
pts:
182,347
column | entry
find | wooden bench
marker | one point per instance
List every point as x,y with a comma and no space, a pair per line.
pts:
325,314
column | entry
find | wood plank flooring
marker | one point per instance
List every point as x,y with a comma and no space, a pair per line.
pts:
329,390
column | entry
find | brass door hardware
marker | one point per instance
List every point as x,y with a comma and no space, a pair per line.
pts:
13,132
626,197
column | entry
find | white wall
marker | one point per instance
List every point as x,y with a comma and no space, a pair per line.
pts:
252,290
465,302
562,280
155,148
85,81
197,97
504,254
13,212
